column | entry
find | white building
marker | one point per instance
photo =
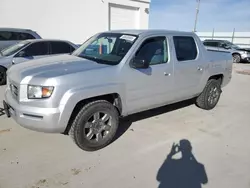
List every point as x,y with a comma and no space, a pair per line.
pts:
74,20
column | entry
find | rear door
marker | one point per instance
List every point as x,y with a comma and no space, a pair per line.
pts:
60,47
188,67
35,50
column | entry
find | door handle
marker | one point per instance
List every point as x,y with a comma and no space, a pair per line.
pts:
199,69
167,74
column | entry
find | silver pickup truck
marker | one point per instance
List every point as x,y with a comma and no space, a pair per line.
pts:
114,74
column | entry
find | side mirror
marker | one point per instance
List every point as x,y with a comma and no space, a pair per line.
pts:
139,63
227,47
21,54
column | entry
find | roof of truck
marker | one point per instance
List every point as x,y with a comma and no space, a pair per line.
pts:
15,29
149,32
45,40
215,40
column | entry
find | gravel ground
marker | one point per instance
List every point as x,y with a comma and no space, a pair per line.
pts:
219,139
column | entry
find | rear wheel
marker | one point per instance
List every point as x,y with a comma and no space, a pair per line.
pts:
236,58
95,125
2,76
210,96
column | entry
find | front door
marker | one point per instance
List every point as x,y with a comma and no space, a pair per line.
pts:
188,67
151,87
33,51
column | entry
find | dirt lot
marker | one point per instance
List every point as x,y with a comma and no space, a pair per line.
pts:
219,138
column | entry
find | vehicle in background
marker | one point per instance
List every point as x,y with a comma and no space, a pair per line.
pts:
31,49
114,74
10,36
239,54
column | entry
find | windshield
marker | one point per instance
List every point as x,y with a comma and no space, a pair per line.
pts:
14,48
106,48
232,45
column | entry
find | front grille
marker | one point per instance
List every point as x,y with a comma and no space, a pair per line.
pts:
14,90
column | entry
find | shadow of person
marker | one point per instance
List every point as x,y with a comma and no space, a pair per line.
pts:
181,172
2,111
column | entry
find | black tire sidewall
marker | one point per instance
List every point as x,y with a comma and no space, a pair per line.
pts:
79,131
237,55
213,83
3,81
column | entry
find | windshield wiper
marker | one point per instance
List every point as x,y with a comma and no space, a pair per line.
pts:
95,59
87,57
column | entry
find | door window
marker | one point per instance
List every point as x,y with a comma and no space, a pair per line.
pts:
60,48
212,44
24,36
185,48
6,35
36,49
154,51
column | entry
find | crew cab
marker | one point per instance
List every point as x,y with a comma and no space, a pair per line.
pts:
114,74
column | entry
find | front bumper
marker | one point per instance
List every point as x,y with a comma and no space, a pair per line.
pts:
245,57
34,118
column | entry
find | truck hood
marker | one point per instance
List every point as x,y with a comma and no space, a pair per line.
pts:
244,49
51,67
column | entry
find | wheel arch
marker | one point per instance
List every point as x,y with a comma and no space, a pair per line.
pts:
217,77
113,98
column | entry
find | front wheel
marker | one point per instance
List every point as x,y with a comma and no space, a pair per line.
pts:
236,58
210,96
95,125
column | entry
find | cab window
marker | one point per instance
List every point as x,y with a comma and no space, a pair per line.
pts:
154,50
185,48
36,49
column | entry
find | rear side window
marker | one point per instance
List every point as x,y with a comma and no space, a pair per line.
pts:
212,44
38,48
60,48
6,35
185,48
24,36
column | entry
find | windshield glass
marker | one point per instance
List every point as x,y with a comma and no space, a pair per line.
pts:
14,48
106,48
232,45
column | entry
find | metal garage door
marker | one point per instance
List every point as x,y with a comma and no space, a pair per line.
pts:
123,17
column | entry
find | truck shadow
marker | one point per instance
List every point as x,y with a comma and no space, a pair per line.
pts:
126,122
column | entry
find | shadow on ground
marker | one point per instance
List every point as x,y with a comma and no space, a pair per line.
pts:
126,122
182,171
2,111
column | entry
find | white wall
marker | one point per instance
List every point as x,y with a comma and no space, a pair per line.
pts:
241,38
74,20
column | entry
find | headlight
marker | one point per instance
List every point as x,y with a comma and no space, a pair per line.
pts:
39,92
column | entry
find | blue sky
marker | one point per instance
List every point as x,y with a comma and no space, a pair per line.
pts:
222,15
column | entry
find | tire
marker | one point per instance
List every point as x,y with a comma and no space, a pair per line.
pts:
236,58
91,133
210,96
2,76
